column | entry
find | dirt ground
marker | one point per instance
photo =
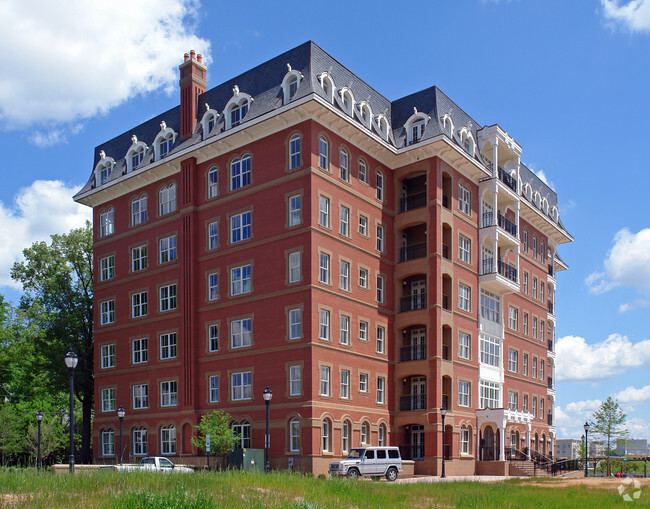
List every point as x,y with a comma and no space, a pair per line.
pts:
595,482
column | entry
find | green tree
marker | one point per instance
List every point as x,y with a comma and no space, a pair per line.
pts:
609,423
58,284
53,437
215,424
10,436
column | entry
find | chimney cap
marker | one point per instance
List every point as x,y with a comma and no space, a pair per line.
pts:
199,58
192,54
186,57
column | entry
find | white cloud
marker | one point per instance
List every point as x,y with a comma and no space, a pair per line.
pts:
570,419
633,15
635,304
627,264
68,61
38,211
577,360
632,395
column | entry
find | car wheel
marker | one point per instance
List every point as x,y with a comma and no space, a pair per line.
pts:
353,473
391,474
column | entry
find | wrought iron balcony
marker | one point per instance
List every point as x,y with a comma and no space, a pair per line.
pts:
412,252
413,353
549,305
488,219
550,345
415,201
412,302
507,225
508,271
487,266
507,180
413,402
550,382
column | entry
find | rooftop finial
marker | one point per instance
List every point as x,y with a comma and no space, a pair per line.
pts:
102,154
415,110
163,125
134,139
288,67
235,90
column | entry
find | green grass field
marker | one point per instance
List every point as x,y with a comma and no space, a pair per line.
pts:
232,489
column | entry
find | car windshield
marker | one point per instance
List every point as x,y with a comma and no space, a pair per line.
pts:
355,454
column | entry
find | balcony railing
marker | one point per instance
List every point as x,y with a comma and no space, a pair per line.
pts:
412,302
445,251
549,305
550,345
415,201
507,180
445,352
413,402
550,270
488,219
508,271
412,252
549,419
487,266
550,382
413,353
507,225
445,302
445,201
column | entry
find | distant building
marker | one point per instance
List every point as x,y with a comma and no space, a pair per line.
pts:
567,448
597,448
633,447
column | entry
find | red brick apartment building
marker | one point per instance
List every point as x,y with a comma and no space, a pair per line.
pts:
370,261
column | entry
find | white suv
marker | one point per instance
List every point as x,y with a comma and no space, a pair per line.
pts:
370,461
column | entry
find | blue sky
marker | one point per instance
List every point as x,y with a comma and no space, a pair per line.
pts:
568,80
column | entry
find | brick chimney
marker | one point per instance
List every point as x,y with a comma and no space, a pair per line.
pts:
192,84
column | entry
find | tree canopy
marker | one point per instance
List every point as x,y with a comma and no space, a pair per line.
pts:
609,423
215,424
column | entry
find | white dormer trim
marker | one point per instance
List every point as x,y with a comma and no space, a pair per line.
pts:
164,135
528,191
545,205
554,213
237,100
467,140
289,78
447,125
345,99
105,164
538,199
415,126
136,147
381,125
327,84
364,113
209,115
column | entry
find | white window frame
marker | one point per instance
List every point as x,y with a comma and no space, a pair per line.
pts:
380,239
464,199
241,280
363,225
295,210
295,380
139,304
513,360
168,440
214,388
490,349
213,286
294,435
107,356
324,268
344,221
139,210
294,267
294,152
345,384
295,323
167,199
213,235
324,211
107,222
464,297
464,345
363,330
139,351
345,330
379,179
380,289
381,339
324,326
363,382
167,298
241,332
167,249
213,182
464,249
140,394
241,227
169,393
463,393
325,381
344,165
240,172
168,345
490,394
323,153
107,268
140,442
363,277
139,258
344,276
107,312
381,390
108,399
241,384
213,337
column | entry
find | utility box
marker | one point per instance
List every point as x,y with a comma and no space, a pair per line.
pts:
246,459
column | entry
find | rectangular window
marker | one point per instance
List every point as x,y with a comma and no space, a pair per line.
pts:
240,227
241,385
363,278
541,330
534,412
541,369
108,442
490,395
344,165
324,212
140,396
295,211
240,333
363,226
363,382
168,440
167,196
324,324
513,360
541,291
140,351
464,441
213,338
344,222
168,346
490,306
294,149
534,367
295,380
108,400
513,399
381,339
108,356
525,324
240,280
363,331
295,324
107,268
525,403
345,330
139,304
525,366
363,171
167,249
324,381
380,186
107,312
324,268
213,183
463,345
513,318
464,249
213,235
541,408
294,267
323,154
534,327
345,384
534,288
463,393
345,276
380,238
167,297
380,288
526,283
294,435
464,297
463,199
490,350
214,389
139,258
381,389
169,393
213,286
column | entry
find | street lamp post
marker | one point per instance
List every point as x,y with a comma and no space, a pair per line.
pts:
443,412
120,414
586,427
71,361
39,418
268,394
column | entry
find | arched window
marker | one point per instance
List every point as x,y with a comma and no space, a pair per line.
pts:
294,435
447,125
167,199
346,100
168,440
164,141
380,186
104,168
213,187
294,152
414,127
463,198
381,124
365,113
139,210
107,222
345,437
108,442
365,433
363,171
323,153
327,83
238,112
240,172
344,165
326,431
465,438
290,84
243,431
467,140
139,441
237,108
209,120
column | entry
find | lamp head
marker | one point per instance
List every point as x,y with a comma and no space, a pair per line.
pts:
443,410
39,416
121,413
267,394
586,426
71,359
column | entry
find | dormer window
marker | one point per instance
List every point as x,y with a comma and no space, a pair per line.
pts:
137,157
346,100
104,168
467,140
104,173
447,125
238,112
237,108
165,146
164,141
381,124
415,126
290,84
209,120
135,154
327,83
365,113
